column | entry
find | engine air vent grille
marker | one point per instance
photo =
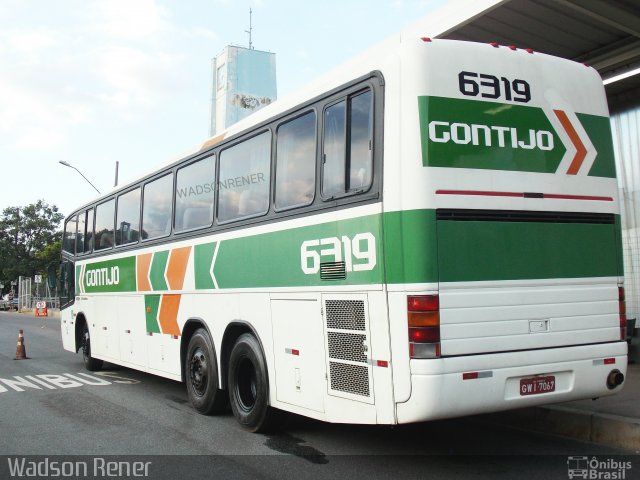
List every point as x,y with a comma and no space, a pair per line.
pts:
349,378
345,314
333,271
347,346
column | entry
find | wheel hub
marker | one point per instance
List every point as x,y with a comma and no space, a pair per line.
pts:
247,384
199,372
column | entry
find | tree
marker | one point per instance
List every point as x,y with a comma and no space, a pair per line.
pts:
30,240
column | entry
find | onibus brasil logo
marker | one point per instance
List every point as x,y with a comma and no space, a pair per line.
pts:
592,468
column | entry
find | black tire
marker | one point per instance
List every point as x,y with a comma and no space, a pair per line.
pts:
249,386
90,363
201,375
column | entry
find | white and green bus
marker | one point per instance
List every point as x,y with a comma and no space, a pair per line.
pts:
430,231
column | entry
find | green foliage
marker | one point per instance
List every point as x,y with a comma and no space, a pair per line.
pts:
30,240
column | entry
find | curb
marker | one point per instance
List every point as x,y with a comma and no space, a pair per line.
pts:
601,428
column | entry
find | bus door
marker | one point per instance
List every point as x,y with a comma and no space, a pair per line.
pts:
298,346
67,299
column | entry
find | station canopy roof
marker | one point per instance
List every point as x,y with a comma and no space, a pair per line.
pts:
604,34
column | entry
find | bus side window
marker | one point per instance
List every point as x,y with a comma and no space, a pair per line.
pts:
334,149
361,161
157,205
67,283
296,162
88,236
104,225
245,178
128,219
69,242
347,154
82,217
195,195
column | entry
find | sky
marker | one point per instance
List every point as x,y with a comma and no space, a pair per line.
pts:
92,82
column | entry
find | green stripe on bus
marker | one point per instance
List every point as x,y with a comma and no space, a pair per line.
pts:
156,272
274,259
78,280
151,306
619,248
599,131
488,250
118,275
411,246
415,248
202,258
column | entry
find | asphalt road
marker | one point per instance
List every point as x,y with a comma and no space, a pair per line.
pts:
124,412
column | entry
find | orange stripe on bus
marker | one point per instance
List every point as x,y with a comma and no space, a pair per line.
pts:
142,272
168,315
581,150
177,267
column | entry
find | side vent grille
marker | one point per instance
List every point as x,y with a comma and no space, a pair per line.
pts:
349,378
345,314
348,349
333,271
347,346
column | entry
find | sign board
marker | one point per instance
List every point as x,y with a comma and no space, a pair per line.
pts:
41,309
37,279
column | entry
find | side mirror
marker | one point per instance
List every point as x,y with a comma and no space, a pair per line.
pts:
51,277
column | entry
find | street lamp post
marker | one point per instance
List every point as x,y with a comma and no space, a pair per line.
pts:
71,166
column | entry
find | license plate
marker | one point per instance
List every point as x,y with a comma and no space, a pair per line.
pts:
536,385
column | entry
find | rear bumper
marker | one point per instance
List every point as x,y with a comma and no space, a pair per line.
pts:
438,389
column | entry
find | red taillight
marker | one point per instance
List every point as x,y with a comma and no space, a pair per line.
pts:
423,318
494,44
425,39
424,334
623,314
423,303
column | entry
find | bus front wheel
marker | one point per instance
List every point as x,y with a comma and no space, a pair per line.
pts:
201,374
249,386
90,363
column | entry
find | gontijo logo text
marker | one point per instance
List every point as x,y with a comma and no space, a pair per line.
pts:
489,135
102,276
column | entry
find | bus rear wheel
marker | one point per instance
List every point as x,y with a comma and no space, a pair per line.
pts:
249,386
201,375
90,363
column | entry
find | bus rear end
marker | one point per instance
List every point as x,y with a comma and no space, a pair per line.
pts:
502,233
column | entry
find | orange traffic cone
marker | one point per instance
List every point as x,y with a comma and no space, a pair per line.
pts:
21,352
